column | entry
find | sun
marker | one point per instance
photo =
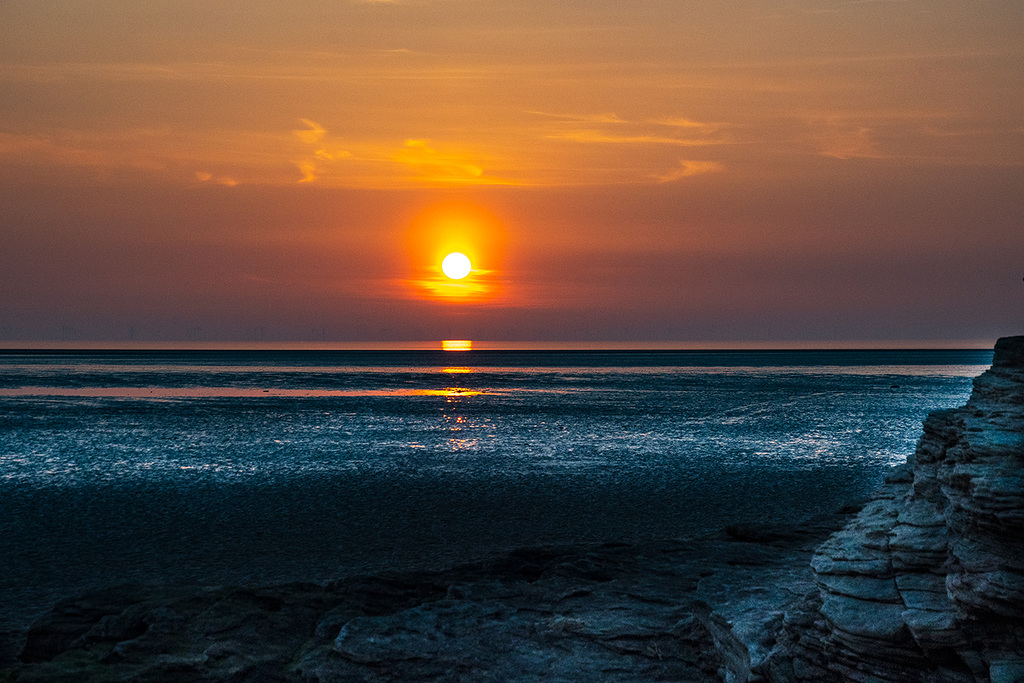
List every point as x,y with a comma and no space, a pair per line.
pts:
456,265
455,254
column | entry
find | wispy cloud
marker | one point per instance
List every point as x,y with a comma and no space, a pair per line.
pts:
307,170
207,177
69,148
580,118
688,168
40,148
313,135
610,128
427,161
849,144
591,135
702,127
373,162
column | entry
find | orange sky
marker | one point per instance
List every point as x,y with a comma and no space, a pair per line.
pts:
657,170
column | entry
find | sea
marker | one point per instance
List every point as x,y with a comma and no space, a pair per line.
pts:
232,467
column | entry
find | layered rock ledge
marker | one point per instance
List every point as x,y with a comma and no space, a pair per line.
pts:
927,582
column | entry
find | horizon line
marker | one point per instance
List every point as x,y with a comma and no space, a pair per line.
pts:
493,345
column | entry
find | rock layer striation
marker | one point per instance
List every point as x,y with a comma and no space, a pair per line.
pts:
927,582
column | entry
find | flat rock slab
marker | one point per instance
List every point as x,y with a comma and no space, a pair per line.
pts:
689,610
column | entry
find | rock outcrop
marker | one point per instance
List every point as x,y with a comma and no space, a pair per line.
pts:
927,582
659,610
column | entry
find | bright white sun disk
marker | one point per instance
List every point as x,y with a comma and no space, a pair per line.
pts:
456,265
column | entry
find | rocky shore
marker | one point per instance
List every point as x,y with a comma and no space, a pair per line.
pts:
925,583
668,610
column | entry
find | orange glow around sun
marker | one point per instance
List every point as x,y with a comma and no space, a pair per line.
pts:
454,251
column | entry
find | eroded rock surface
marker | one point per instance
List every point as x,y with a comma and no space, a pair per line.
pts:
659,610
927,582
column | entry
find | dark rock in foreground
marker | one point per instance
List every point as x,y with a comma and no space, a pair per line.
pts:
927,582
614,612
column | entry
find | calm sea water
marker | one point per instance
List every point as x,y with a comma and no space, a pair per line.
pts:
227,467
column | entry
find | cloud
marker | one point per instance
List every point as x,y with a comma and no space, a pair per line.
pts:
615,130
580,118
688,168
308,171
207,177
689,124
591,135
328,155
378,162
80,149
851,144
427,161
312,134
